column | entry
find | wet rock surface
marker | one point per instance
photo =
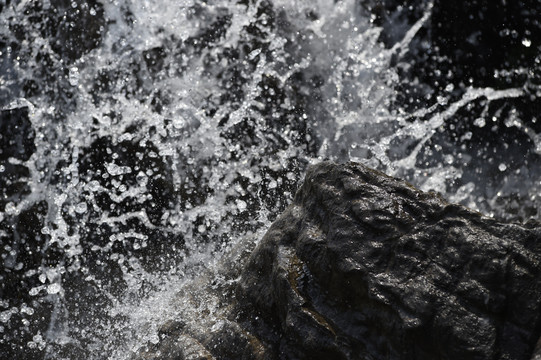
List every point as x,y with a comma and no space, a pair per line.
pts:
365,266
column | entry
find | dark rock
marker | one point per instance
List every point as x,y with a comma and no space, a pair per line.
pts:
74,28
16,134
16,143
365,266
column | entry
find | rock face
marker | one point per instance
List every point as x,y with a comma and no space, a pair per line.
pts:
364,266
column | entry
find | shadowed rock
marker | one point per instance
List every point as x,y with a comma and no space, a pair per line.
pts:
16,135
365,266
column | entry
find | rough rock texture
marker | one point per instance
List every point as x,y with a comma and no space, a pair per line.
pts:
365,266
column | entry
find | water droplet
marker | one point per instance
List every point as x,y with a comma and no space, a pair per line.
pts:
81,208
154,339
73,76
241,205
502,167
5,316
113,169
254,53
442,100
54,288
480,122
27,309
10,208
141,178
59,199
467,136
35,291
526,42
94,185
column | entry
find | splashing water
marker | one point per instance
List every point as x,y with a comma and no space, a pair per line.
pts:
154,142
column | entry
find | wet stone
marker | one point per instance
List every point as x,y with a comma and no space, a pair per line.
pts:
365,266
75,28
17,135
